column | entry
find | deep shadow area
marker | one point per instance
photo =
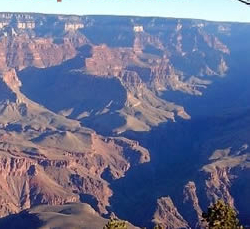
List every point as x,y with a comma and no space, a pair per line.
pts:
242,197
89,199
226,93
178,152
68,89
22,220
173,149
6,92
223,95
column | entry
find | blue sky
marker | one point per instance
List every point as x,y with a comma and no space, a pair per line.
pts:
217,10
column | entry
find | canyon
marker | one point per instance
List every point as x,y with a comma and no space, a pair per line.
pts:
145,118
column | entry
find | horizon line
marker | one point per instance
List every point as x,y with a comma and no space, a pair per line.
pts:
124,15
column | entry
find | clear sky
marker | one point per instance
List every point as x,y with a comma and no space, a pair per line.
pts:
216,10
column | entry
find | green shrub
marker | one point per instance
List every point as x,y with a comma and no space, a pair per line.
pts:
115,224
221,216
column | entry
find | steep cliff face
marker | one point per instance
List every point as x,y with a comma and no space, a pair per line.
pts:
33,173
167,215
227,169
20,51
191,205
152,64
143,108
48,159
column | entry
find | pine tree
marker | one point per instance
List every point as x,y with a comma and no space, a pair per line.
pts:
221,216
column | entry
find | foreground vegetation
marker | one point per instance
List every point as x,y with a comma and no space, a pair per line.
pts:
221,216
218,216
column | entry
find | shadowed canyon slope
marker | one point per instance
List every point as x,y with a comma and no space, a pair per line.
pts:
46,158
144,117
